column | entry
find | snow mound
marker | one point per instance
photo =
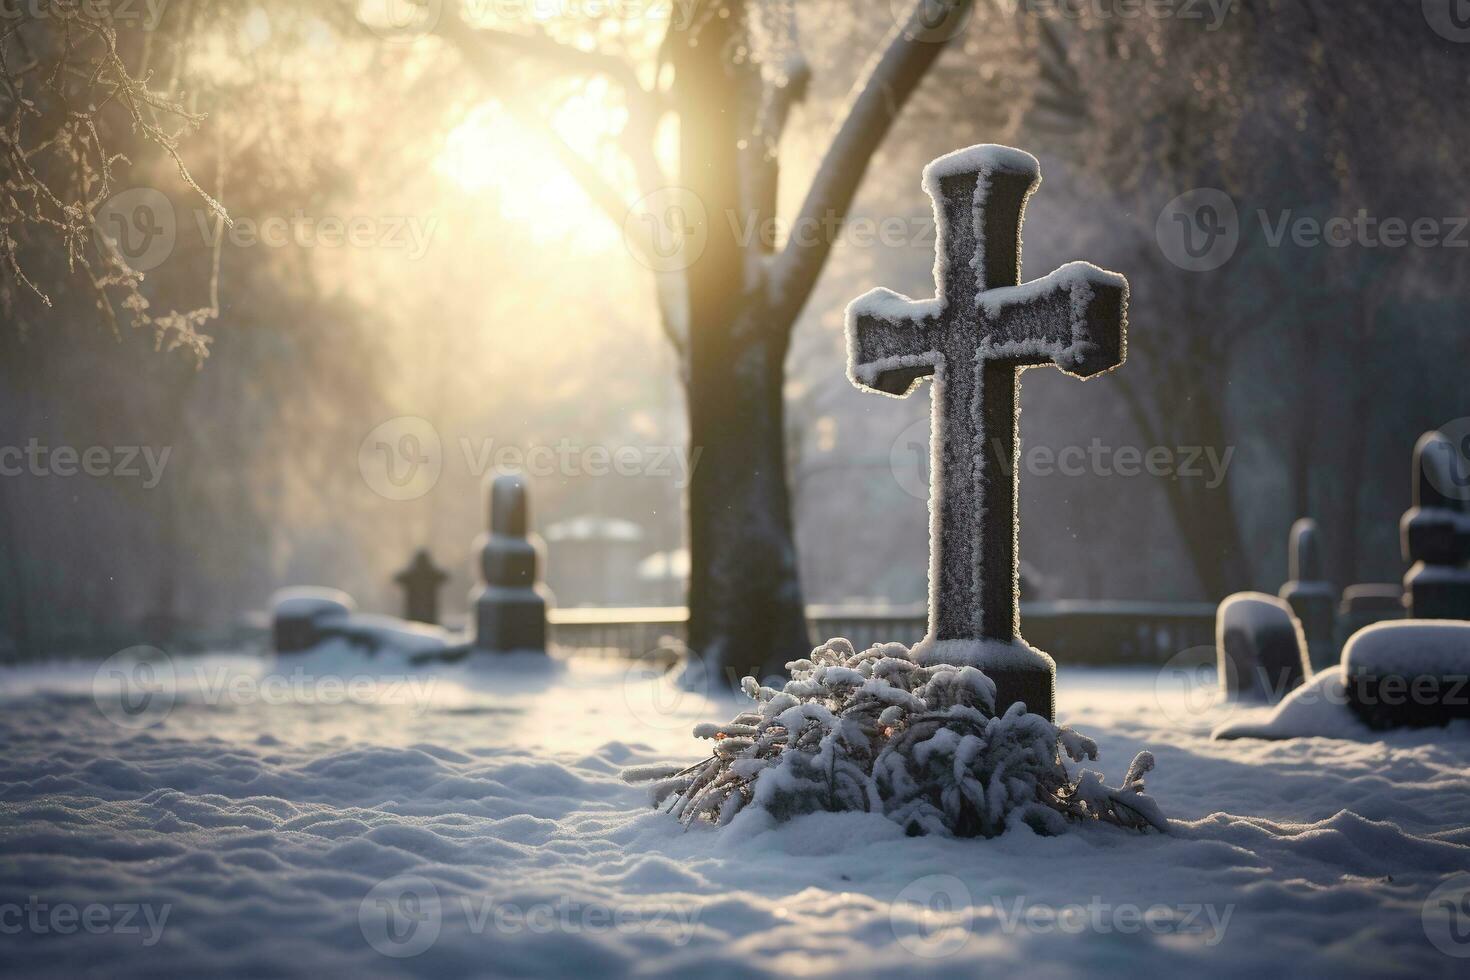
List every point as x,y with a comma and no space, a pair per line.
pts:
1412,648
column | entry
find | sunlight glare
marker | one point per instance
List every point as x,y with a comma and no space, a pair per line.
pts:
491,154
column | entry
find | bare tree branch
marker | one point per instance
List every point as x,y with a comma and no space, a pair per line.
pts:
875,101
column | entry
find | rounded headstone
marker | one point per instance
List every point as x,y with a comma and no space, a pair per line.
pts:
1411,674
302,616
1260,648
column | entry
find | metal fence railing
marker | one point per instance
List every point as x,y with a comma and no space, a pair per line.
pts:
1074,631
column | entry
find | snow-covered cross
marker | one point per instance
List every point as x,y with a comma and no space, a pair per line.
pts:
975,337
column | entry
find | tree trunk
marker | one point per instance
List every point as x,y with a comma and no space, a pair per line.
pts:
746,613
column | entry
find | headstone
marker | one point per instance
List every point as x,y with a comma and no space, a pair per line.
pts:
510,602
1311,598
974,339
1368,603
421,582
1436,535
303,616
1413,674
1260,649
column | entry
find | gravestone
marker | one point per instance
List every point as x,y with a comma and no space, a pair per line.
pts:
1413,674
1367,603
1435,535
1311,598
510,602
1260,648
421,582
973,339
303,616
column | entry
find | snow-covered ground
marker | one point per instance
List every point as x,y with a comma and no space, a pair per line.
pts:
471,822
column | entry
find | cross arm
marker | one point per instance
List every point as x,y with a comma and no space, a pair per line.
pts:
891,344
1076,318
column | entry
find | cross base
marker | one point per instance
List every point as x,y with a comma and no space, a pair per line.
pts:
1020,671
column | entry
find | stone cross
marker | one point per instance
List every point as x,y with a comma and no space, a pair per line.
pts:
510,602
974,338
421,582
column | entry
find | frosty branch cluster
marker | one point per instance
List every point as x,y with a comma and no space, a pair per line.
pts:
876,732
70,94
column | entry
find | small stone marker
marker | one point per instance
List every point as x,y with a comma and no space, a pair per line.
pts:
1312,599
303,616
1436,536
510,603
1261,651
421,582
974,338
